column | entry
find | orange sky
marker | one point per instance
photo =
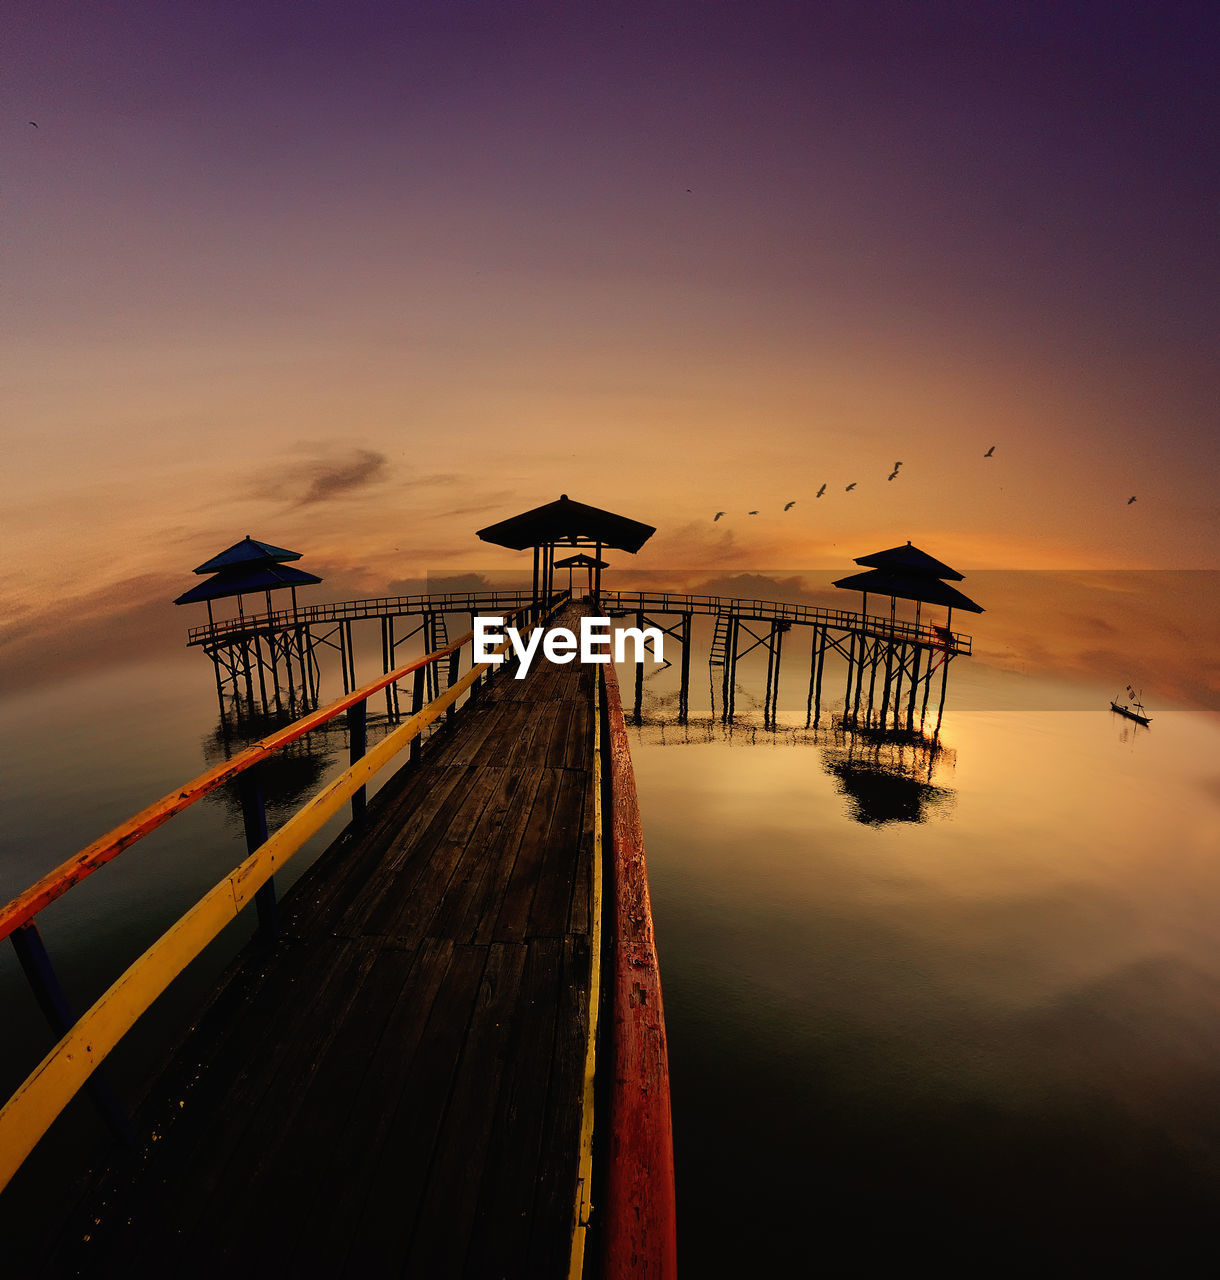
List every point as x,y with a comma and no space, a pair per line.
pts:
360,289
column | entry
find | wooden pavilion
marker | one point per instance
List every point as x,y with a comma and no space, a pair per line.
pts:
568,524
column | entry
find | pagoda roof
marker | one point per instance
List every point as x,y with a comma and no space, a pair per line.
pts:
908,585
248,551
575,523
581,561
910,559
241,579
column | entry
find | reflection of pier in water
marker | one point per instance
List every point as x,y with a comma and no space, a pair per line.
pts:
883,779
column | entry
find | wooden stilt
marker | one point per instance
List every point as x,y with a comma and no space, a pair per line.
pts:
916,653
684,688
940,711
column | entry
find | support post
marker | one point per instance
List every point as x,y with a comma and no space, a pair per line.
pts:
254,820
940,711
872,677
452,680
684,690
357,744
817,704
639,671
417,703
44,981
916,651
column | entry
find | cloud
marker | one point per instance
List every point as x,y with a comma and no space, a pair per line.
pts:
331,479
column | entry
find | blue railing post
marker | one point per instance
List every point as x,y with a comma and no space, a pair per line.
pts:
254,820
357,738
453,675
40,973
417,705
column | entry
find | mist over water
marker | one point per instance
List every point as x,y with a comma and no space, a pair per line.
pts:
959,1005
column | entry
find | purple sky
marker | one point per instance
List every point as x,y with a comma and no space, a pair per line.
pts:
359,279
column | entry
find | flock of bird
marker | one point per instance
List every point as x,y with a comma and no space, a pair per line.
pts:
893,474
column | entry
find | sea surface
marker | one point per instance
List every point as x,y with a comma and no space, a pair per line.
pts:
958,1006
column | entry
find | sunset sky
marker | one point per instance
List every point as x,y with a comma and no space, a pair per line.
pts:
359,279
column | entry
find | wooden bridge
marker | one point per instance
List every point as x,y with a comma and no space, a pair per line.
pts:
896,656
443,1053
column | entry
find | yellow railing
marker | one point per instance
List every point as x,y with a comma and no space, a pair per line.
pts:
69,1064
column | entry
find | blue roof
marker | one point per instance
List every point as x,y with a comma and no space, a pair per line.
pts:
248,551
246,578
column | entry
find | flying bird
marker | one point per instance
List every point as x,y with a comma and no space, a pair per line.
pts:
897,465
989,452
892,474
34,123
789,505
821,491
850,487
751,513
718,515
1130,501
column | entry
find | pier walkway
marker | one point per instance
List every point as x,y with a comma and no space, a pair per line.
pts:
398,1085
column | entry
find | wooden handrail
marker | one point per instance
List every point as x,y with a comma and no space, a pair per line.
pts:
639,1234
83,864
353,610
784,611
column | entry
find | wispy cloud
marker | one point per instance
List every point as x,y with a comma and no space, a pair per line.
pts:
324,479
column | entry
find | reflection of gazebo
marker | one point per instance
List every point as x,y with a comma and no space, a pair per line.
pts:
906,573
570,524
581,561
877,795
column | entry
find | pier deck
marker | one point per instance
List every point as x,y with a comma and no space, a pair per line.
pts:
395,1087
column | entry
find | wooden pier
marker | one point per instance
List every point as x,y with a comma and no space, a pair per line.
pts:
403,1080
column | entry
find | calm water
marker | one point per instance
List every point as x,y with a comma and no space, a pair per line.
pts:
961,1007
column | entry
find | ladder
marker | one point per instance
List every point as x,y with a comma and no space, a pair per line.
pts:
436,634
720,641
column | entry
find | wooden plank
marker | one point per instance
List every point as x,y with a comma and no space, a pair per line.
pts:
553,1214
405,860
400,1169
578,747
512,920
271,1210
483,868
447,1213
341,872
407,915
499,1244
534,750
552,903
557,748
324,1238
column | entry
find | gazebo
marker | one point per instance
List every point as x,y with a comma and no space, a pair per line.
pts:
907,573
581,561
570,524
247,567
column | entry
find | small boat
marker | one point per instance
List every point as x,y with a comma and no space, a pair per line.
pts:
1134,710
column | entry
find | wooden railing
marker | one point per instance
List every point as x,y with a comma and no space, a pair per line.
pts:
780,611
374,607
85,1042
638,1231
